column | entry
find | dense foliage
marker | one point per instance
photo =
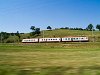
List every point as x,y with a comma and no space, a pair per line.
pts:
98,26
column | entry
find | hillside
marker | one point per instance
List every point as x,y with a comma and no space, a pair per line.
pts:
64,33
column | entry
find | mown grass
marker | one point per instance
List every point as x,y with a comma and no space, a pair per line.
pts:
50,59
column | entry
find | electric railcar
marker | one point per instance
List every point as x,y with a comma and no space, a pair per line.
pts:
64,39
49,39
33,40
75,39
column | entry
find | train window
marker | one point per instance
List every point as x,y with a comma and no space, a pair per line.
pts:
82,38
65,38
68,38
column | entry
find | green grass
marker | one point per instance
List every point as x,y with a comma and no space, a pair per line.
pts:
50,59
64,32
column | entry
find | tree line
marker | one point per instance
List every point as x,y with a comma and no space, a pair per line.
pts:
37,32
17,37
10,37
90,27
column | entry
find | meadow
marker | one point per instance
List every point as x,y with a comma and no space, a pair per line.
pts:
50,59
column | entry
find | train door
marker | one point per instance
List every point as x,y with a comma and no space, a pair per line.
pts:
71,39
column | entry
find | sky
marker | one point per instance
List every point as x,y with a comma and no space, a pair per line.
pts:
20,15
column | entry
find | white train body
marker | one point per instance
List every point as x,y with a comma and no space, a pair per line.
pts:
33,40
64,39
49,39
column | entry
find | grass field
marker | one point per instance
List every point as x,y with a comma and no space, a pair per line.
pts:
65,32
50,59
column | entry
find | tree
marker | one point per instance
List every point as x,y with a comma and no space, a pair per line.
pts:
3,36
32,28
98,26
49,28
66,27
12,39
35,30
17,34
90,27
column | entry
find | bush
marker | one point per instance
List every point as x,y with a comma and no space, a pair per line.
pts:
12,39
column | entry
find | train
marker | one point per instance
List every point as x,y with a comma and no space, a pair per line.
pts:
63,39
